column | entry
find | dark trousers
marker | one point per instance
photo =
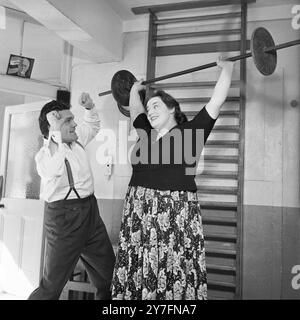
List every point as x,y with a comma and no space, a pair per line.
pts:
74,229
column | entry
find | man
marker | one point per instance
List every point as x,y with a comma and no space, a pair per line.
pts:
73,226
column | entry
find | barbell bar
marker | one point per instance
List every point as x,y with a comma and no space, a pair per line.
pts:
283,45
263,51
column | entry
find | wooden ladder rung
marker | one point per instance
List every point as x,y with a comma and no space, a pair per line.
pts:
185,35
212,205
204,99
221,159
226,113
190,84
223,143
220,236
225,46
226,128
225,221
199,18
213,268
217,190
229,113
224,286
75,274
80,286
219,252
210,297
213,174
185,5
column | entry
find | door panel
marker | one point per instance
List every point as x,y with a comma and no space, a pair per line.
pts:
22,179
21,218
21,245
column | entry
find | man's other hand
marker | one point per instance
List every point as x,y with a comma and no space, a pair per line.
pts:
55,120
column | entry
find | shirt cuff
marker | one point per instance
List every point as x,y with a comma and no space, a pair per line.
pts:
91,115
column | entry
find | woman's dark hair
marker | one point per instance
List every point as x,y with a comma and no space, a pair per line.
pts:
170,102
48,107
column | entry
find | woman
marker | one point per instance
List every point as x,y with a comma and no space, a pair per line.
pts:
161,247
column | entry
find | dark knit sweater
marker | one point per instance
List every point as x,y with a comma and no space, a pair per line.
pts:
170,162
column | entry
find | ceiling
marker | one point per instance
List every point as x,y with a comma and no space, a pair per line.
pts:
6,3
90,25
123,7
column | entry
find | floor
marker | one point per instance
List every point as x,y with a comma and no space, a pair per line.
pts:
7,296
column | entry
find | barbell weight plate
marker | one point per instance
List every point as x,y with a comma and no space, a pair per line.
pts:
265,62
121,84
124,110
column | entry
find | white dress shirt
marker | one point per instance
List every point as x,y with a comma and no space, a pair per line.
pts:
52,168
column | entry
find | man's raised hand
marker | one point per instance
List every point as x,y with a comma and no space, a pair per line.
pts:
86,101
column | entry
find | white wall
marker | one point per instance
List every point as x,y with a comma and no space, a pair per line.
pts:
11,37
272,126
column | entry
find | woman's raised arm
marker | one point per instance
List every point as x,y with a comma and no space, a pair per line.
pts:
221,89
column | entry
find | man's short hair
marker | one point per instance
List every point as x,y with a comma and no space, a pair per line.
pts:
48,107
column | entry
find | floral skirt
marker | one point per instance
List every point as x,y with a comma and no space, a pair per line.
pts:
161,252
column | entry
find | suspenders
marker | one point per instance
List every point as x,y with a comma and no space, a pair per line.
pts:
70,177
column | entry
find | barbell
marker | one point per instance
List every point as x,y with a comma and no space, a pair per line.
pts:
263,51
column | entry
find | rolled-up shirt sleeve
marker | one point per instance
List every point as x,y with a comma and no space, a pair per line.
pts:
51,166
89,128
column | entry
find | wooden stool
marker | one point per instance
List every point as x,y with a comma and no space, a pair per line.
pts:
79,287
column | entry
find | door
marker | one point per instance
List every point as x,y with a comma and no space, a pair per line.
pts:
21,212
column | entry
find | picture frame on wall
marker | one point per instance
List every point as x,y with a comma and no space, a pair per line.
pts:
20,66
